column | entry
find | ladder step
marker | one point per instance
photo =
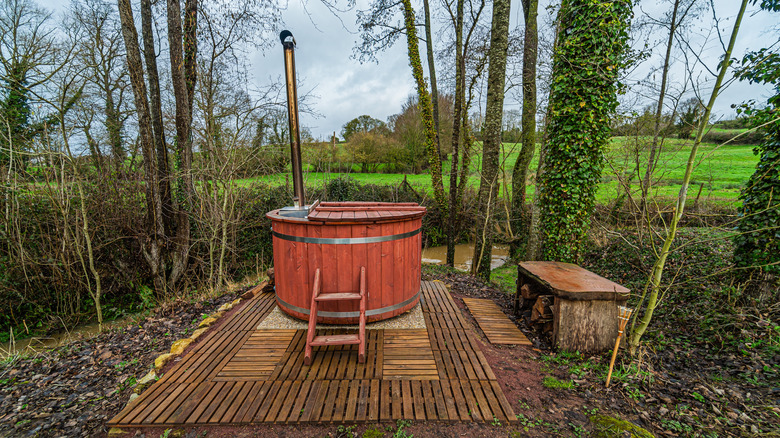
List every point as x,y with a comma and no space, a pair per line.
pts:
335,340
338,296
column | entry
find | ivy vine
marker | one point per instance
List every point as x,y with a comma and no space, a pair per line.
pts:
757,245
591,50
426,107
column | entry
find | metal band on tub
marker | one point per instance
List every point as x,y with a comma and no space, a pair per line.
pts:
346,240
354,314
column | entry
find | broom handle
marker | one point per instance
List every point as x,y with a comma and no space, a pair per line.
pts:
614,355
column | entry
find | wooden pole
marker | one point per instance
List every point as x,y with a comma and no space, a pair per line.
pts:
624,313
614,356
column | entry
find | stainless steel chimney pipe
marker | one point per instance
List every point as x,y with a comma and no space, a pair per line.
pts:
288,42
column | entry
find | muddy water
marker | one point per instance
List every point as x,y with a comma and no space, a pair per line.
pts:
40,343
463,255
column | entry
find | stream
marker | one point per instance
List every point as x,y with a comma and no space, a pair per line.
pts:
464,252
39,343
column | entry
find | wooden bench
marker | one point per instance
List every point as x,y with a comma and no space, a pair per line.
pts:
578,306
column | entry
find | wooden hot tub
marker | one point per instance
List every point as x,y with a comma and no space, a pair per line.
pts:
339,238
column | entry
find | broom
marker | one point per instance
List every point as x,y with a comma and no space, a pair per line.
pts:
624,313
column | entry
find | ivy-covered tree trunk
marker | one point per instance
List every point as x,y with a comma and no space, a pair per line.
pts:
432,73
591,48
757,246
494,109
426,110
519,212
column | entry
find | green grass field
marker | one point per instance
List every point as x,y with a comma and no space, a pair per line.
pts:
722,170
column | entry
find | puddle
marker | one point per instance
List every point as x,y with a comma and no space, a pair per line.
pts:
437,255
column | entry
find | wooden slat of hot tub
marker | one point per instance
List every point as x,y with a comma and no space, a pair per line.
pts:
366,204
335,388
364,211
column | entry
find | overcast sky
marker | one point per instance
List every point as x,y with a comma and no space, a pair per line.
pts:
342,88
345,89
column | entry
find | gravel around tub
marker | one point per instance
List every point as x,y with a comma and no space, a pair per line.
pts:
412,319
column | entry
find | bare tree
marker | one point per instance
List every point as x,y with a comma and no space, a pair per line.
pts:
519,214
29,58
652,287
100,50
494,109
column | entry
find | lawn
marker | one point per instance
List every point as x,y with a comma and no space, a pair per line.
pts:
722,170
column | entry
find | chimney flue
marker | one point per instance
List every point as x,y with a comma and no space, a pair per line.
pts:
288,42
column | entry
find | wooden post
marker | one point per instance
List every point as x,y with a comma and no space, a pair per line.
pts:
623,314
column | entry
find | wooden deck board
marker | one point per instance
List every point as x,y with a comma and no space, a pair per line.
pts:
498,328
238,375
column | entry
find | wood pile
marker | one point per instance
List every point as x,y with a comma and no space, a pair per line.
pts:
537,308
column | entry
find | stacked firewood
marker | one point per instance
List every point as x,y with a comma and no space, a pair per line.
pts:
536,308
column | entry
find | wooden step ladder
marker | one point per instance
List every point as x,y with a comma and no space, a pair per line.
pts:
349,339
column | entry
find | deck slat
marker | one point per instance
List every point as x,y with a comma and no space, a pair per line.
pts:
498,328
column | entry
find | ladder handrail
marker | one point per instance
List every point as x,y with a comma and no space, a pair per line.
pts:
310,338
362,325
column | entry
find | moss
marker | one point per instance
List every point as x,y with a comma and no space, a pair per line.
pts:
553,383
179,346
373,432
605,426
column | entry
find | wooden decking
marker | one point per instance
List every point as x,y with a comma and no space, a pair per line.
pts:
494,323
240,375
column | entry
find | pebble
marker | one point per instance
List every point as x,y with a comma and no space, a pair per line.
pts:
412,319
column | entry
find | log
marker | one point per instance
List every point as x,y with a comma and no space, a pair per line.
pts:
527,293
541,309
270,273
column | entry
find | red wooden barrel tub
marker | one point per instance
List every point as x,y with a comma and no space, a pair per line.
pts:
339,238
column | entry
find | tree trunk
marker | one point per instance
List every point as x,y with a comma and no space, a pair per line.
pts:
425,109
432,73
494,108
533,249
588,57
651,161
183,50
460,96
158,130
519,214
653,284
152,245
114,128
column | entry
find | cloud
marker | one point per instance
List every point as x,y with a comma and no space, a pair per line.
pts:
344,88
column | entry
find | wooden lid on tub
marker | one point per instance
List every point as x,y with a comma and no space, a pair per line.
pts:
365,211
